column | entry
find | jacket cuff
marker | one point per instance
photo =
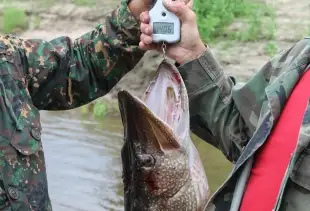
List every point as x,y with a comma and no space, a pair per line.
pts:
128,26
201,71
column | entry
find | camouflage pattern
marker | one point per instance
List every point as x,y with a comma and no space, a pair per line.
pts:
57,75
162,170
237,119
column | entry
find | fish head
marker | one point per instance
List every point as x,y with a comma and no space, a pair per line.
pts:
158,152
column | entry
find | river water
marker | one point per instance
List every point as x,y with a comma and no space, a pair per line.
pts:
83,162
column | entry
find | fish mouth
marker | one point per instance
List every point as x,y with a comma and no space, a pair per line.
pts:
143,127
162,117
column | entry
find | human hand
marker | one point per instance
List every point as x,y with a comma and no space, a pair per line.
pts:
138,6
190,46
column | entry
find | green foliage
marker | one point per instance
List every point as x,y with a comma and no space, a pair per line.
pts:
83,2
100,109
271,48
37,21
14,19
214,16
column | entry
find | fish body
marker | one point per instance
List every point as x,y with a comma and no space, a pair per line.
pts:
162,170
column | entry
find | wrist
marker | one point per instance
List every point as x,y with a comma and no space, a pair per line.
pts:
135,8
193,54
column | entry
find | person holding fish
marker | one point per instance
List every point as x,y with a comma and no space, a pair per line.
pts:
261,126
244,121
60,74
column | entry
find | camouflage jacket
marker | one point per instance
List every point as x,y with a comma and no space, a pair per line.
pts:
237,119
56,75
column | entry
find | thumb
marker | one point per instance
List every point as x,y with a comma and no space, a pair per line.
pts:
180,9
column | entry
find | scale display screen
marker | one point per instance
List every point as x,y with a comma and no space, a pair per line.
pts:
163,28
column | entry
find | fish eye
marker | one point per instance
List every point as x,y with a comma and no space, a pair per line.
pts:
146,160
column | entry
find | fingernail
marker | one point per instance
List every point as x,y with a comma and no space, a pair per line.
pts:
142,17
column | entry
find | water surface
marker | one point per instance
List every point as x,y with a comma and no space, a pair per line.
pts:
84,164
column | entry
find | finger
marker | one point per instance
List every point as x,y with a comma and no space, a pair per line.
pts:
145,17
143,46
180,9
146,39
148,47
186,1
190,4
146,29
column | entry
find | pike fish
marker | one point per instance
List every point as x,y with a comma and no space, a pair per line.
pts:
162,170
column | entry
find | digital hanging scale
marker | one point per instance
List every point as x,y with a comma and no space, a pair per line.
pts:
165,24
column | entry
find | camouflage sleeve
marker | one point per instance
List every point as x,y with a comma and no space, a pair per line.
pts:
223,113
65,73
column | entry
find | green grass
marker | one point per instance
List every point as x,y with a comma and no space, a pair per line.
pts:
214,16
14,20
84,2
271,48
101,109
37,21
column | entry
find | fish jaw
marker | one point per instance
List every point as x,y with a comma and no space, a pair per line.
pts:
166,97
143,128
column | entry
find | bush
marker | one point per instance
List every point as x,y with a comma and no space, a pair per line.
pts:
83,2
213,17
14,19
